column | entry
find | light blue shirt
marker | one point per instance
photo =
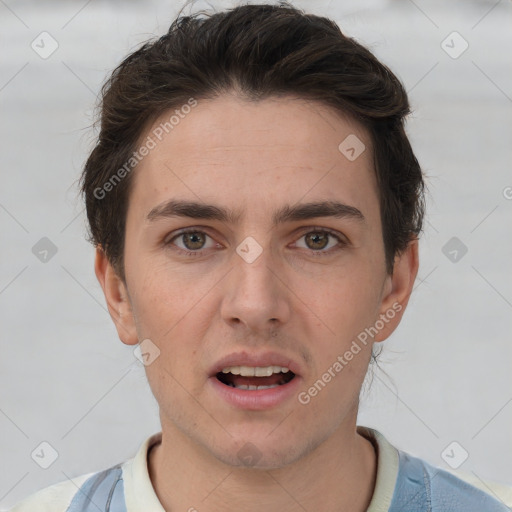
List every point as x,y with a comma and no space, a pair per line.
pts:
421,487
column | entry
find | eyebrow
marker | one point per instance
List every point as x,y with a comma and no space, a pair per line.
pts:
288,213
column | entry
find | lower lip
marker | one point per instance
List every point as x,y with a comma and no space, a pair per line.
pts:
256,399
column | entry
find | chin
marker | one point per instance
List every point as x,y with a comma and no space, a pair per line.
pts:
258,455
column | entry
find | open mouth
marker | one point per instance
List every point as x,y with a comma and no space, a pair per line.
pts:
253,379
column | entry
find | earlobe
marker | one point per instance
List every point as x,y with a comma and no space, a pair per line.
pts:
116,296
399,288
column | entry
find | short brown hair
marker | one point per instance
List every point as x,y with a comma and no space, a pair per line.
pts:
258,51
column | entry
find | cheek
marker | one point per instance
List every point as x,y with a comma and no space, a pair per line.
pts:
347,295
163,293
158,305
171,310
340,309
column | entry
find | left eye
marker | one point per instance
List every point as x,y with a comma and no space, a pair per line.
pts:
194,241
319,240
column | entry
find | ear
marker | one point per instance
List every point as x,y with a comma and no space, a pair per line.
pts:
116,295
397,290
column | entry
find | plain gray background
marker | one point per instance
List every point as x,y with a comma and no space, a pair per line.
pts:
67,380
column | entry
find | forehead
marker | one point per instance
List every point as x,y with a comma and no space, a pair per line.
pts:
249,154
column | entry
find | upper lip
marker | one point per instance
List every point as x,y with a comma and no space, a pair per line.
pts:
255,359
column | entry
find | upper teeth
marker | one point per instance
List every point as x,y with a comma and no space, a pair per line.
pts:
251,371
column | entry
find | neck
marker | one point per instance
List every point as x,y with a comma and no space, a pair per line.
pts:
340,474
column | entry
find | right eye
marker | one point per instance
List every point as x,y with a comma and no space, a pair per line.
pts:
193,241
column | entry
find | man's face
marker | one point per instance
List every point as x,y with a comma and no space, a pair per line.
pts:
304,299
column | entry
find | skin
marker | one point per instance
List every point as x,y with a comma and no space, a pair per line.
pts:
254,158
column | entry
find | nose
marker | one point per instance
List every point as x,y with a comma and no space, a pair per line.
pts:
255,292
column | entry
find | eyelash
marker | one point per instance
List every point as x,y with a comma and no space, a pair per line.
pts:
179,250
